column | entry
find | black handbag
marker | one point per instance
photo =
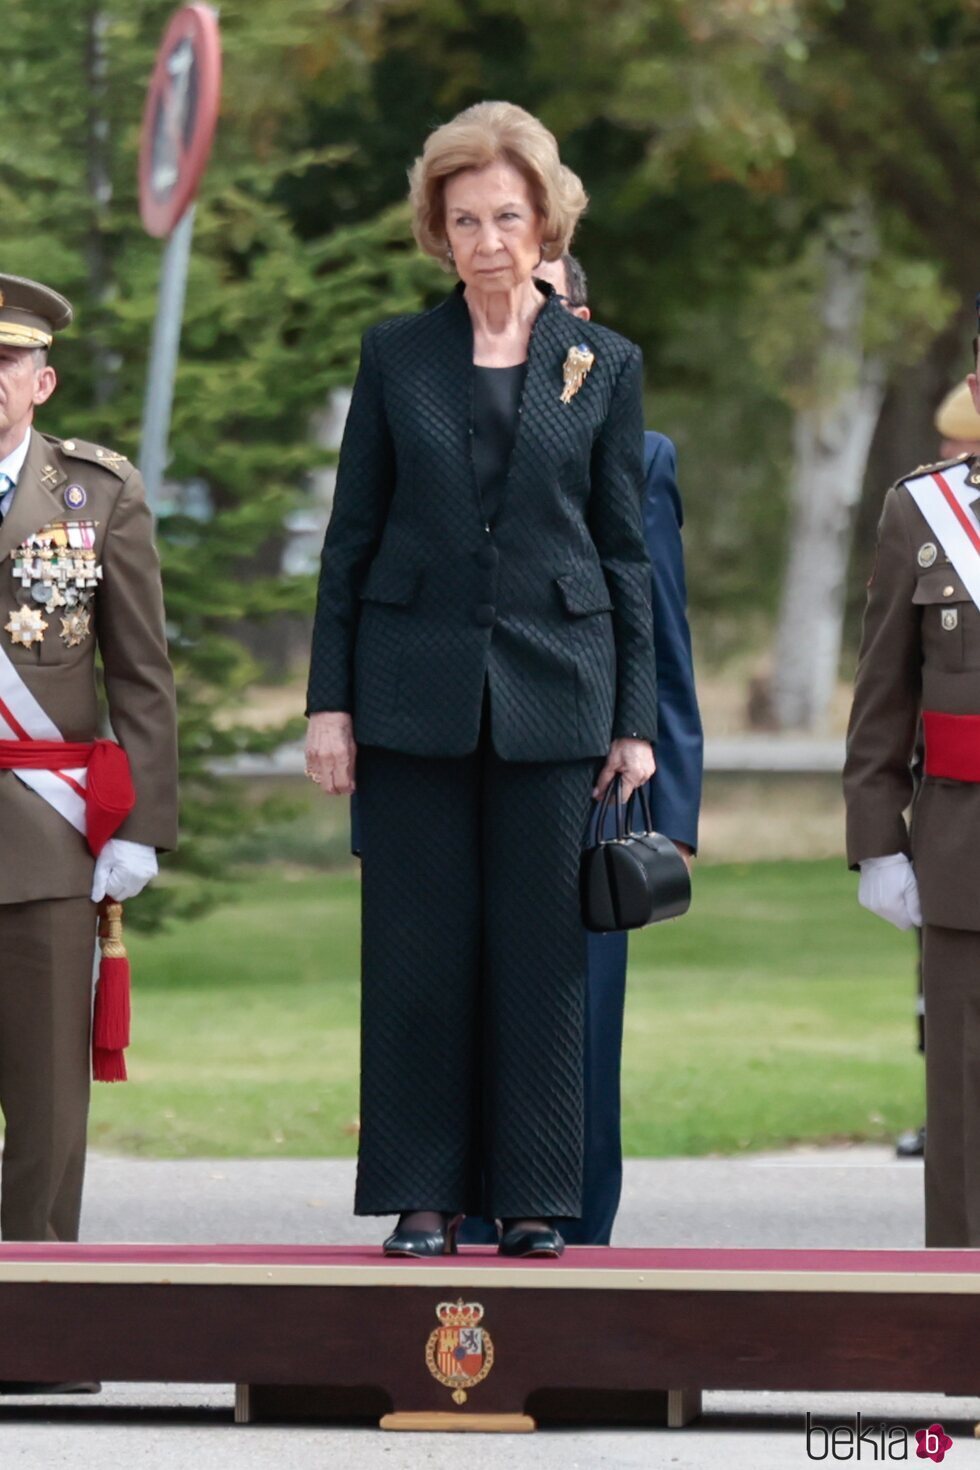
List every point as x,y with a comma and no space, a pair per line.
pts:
634,878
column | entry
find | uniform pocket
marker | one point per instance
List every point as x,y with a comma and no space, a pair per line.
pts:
584,592
950,621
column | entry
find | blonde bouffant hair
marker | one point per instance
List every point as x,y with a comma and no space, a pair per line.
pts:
491,132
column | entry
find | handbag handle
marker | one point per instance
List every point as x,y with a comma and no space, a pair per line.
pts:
643,793
624,811
600,821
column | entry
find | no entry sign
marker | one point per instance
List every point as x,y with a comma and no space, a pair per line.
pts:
180,117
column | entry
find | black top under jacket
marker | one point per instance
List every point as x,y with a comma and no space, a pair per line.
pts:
497,393
421,603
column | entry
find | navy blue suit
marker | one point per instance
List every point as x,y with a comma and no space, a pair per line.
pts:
675,794
675,799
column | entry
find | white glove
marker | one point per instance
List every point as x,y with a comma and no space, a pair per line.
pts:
123,869
888,888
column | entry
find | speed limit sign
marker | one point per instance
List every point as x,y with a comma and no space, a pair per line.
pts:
180,117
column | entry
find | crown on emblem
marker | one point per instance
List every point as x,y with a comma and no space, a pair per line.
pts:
459,1314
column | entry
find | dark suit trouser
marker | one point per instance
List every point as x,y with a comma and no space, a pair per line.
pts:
46,955
605,1005
473,983
602,1178
951,981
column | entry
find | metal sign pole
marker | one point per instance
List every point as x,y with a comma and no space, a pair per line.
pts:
163,358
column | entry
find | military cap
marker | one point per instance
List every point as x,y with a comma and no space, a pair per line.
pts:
956,417
30,313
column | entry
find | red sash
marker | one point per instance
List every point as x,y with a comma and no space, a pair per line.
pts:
108,792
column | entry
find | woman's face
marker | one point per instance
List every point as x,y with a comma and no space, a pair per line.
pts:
492,226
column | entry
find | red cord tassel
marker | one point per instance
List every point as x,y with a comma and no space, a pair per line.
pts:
111,1022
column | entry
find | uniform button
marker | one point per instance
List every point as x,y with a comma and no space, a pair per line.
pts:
485,614
948,591
487,557
70,445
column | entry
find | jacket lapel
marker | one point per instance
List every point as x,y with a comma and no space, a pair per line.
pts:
36,500
554,332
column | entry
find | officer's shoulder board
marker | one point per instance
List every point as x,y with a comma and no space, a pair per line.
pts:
931,469
95,454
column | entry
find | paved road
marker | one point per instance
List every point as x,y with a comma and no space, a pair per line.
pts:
852,1197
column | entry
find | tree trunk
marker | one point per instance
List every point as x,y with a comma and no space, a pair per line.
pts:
832,439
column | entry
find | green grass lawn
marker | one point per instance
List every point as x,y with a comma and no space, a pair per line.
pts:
776,1011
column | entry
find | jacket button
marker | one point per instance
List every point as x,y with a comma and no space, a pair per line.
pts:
487,557
485,615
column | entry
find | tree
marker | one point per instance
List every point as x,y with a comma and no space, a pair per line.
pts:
272,323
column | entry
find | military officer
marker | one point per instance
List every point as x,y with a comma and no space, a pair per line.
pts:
78,573
958,426
920,661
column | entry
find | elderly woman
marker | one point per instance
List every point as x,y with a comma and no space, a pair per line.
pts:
483,665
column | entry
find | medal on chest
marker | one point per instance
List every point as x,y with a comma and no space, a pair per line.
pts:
57,568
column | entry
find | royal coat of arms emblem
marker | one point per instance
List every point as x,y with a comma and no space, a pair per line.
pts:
459,1352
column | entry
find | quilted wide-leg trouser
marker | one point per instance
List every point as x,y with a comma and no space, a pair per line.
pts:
473,983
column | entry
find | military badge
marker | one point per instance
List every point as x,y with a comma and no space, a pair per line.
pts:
927,554
951,618
575,370
110,458
49,476
57,567
76,627
459,1353
75,497
26,626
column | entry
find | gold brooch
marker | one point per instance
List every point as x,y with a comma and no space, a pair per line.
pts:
26,626
575,370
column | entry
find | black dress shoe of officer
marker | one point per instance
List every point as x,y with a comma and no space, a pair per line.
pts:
912,1145
80,1386
521,1239
404,1241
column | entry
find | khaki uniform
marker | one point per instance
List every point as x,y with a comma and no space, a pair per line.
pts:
920,650
47,922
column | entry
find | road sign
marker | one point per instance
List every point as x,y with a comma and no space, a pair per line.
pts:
178,130
180,117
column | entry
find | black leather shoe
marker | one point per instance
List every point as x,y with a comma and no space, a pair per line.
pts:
519,1241
402,1242
912,1145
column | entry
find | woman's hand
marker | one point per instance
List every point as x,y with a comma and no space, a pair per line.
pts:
632,760
331,752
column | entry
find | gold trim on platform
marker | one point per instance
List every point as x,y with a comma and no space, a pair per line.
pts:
428,1423
489,1278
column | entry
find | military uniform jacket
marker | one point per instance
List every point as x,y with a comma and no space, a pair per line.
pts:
421,602
41,855
920,649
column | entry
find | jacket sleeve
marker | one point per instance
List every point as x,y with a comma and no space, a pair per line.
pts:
887,697
616,524
365,480
675,790
138,678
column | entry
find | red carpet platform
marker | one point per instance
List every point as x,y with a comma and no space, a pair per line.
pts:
474,1342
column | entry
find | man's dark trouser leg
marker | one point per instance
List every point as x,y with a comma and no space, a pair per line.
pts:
951,981
46,954
605,1002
